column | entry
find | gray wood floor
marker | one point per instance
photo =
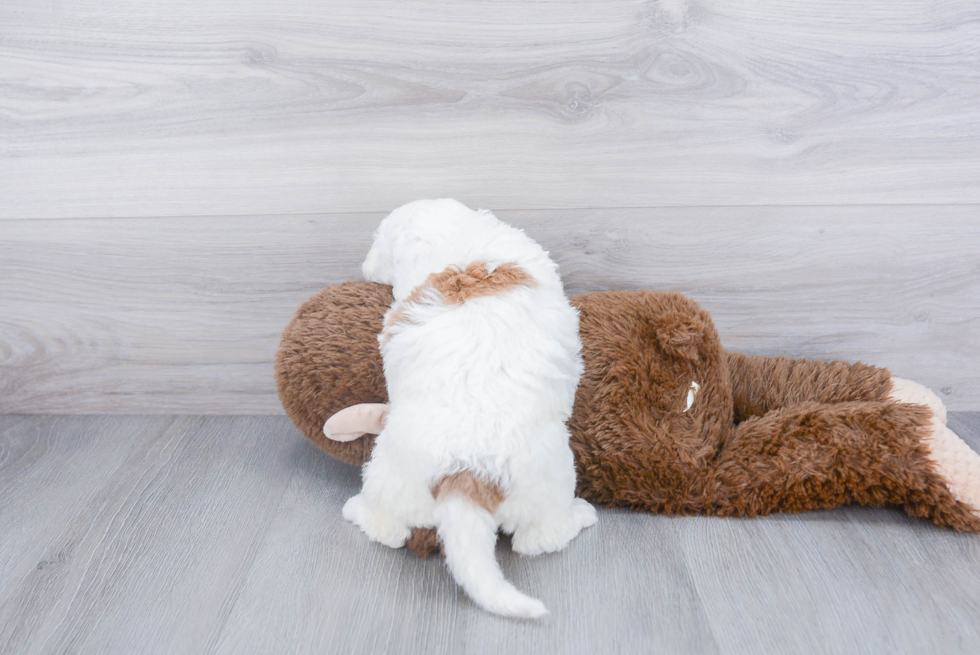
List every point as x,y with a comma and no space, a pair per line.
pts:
184,534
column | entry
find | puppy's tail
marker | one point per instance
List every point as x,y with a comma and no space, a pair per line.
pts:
469,533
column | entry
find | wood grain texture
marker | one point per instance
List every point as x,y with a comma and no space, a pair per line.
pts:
224,535
171,532
204,107
50,473
184,315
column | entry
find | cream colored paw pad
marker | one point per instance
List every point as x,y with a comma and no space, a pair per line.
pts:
957,463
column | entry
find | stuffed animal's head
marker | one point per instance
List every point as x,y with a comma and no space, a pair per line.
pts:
329,360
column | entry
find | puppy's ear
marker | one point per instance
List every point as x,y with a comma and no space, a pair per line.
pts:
356,421
410,251
411,256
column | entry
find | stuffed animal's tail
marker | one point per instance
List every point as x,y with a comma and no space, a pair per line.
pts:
469,533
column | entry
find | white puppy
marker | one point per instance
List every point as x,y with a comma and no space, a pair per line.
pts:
482,358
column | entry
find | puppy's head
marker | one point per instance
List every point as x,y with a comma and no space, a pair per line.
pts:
415,240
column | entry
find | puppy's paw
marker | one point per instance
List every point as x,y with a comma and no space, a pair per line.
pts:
552,535
584,513
535,541
376,523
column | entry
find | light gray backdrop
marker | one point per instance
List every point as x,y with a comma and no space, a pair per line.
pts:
176,177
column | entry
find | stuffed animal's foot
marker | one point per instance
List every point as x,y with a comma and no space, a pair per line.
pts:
957,463
552,535
913,393
376,523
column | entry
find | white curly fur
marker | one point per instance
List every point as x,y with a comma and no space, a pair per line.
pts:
484,386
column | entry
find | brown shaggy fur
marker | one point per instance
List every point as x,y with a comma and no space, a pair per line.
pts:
761,384
329,359
424,542
764,434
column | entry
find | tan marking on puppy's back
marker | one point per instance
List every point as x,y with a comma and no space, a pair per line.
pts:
454,286
457,286
480,491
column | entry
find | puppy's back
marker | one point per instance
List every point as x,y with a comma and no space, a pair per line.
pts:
485,350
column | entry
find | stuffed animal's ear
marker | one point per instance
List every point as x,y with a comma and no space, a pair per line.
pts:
356,421
680,334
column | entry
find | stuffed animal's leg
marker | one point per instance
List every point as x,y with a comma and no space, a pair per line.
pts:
818,456
761,384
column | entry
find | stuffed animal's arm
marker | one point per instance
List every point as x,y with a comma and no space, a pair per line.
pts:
356,421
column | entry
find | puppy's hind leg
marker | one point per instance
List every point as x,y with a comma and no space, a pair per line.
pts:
394,499
541,509
376,522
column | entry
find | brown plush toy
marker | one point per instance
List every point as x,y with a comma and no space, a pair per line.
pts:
666,420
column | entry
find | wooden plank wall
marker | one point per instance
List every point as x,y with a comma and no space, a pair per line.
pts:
176,177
